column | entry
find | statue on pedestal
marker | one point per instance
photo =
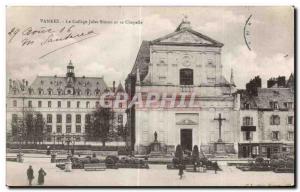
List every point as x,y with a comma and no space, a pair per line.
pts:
155,136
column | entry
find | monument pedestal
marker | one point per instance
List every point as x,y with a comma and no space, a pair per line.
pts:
220,147
68,165
157,150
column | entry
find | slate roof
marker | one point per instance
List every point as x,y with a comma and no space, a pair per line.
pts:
265,96
81,84
281,95
142,60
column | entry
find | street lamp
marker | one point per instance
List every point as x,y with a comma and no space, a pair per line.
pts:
53,135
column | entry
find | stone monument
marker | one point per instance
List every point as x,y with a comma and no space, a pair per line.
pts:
220,145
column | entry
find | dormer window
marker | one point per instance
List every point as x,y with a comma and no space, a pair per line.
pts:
88,92
246,105
41,91
274,105
97,92
49,91
288,105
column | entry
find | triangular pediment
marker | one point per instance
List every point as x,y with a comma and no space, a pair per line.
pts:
186,122
187,36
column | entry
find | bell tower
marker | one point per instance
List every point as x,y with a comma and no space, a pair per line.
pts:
69,89
70,73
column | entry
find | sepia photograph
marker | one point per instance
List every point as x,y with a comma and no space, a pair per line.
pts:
150,96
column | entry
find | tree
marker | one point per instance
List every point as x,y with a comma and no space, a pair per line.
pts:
195,154
179,154
99,125
29,128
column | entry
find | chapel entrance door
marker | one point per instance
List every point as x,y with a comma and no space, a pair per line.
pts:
186,139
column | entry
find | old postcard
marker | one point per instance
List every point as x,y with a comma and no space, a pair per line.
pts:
150,96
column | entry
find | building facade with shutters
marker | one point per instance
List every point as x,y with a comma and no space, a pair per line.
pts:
64,103
267,120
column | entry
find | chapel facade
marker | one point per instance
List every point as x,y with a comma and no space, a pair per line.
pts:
185,63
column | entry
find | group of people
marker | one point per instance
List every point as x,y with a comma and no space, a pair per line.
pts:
41,176
181,168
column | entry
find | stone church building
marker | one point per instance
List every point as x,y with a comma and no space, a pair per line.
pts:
189,62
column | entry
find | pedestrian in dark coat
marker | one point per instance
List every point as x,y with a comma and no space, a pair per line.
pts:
215,167
41,178
180,170
30,174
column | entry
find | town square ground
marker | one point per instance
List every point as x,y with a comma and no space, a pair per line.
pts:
156,175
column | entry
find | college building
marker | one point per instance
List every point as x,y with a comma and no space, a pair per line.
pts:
64,102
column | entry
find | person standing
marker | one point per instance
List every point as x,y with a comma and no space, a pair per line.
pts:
41,178
30,175
180,170
216,167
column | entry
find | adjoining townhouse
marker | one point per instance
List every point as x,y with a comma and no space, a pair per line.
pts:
267,118
64,102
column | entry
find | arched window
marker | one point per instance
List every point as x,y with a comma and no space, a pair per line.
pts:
186,77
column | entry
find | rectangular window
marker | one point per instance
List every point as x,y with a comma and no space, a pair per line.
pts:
49,104
58,128
87,118
59,104
274,120
69,104
186,77
14,118
288,105
68,118
29,103
97,104
291,135
275,135
49,128
68,129
87,104
15,103
78,104
248,135
49,118
247,121
274,105
78,128
78,118
290,120
247,106
39,103
58,118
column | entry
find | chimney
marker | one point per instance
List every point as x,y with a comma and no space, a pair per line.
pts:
114,86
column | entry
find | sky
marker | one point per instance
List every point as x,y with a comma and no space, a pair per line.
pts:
111,49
